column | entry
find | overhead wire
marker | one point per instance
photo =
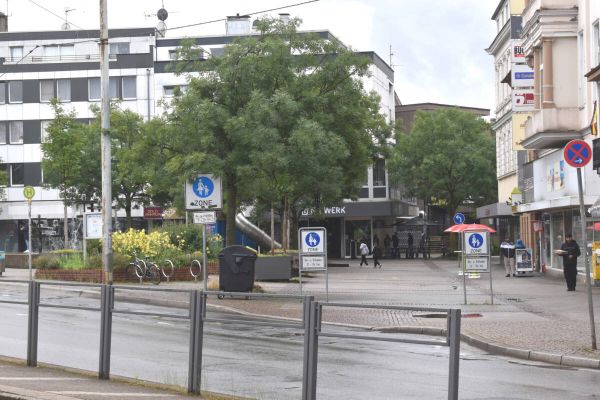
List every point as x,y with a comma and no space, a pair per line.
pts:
56,15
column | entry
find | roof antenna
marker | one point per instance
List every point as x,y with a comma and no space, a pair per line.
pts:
66,26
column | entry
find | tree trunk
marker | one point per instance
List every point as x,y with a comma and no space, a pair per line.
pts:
128,202
231,209
285,226
272,229
65,227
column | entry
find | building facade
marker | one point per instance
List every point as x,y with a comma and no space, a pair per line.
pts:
39,66
560,42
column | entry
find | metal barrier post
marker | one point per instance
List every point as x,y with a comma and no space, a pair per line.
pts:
32,323
313,352
453,338
306,306
106,305
197,314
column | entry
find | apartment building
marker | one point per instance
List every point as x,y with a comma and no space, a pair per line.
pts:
560,40
513,101
38,66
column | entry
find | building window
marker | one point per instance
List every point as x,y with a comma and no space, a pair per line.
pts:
169,91
93,89
17,174
581,68
2,133
16,53
16,132
44,130
60,88
129,87
379,172
59,51
596,43
119,48
15,92
63,90
113,87
2,92
173,55
46,90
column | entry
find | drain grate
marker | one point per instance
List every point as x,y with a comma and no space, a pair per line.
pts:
515,299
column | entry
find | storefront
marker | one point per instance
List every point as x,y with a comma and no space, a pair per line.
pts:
556,206
350,223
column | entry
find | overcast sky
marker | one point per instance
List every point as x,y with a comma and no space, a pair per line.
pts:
438,45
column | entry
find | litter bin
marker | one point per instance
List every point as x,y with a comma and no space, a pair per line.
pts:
236,269
1,262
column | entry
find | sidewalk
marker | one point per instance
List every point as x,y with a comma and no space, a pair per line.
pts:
531,317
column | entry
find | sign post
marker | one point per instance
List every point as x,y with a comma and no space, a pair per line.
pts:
577,154
313,253
29,192
476,245
204,193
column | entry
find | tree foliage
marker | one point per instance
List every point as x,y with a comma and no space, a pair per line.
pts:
448,158
282,117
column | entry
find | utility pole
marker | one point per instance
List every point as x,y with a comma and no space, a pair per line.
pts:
105,145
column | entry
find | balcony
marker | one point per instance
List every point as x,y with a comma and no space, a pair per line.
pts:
551,128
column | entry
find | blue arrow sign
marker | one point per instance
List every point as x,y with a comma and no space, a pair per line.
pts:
459,218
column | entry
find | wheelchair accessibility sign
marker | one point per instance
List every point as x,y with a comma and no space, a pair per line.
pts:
204,192
476,243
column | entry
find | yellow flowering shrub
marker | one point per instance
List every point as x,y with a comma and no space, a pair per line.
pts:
144,245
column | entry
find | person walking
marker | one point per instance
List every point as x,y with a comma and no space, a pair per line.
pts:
569,252
376,251
507,248
364,251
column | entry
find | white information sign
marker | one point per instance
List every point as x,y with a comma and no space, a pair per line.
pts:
205,217
93,226
313,241
312,263
522,76
479,264
203,193
476,243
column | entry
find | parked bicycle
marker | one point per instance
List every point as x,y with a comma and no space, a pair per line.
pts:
144,269
196,269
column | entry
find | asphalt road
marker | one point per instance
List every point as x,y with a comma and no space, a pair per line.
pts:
266,362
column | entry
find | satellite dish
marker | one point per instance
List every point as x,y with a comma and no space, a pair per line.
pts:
162,14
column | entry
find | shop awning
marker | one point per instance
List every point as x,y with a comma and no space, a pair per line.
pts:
494,210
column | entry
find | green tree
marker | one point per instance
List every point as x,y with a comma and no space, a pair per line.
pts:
282,117
448,158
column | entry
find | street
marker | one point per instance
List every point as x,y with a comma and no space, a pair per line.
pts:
266,362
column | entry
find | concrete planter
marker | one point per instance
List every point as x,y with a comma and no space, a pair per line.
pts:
273,268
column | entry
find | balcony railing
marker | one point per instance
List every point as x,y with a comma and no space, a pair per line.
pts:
59,58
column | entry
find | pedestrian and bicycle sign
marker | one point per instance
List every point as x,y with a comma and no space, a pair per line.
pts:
476,243
459,218
577,153
204,192
312,240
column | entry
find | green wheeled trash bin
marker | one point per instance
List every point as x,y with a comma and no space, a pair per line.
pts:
236,269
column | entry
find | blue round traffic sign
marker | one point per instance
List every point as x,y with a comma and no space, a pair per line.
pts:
312,239
203,187
577,153
475,240
459,218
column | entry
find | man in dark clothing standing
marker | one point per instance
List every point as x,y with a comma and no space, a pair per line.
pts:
409,249
570,251
395,242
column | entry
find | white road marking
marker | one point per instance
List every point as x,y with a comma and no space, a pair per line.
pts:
21,315
37,378
163,323
127,394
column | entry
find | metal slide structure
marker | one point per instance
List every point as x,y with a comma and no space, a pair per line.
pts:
254,232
